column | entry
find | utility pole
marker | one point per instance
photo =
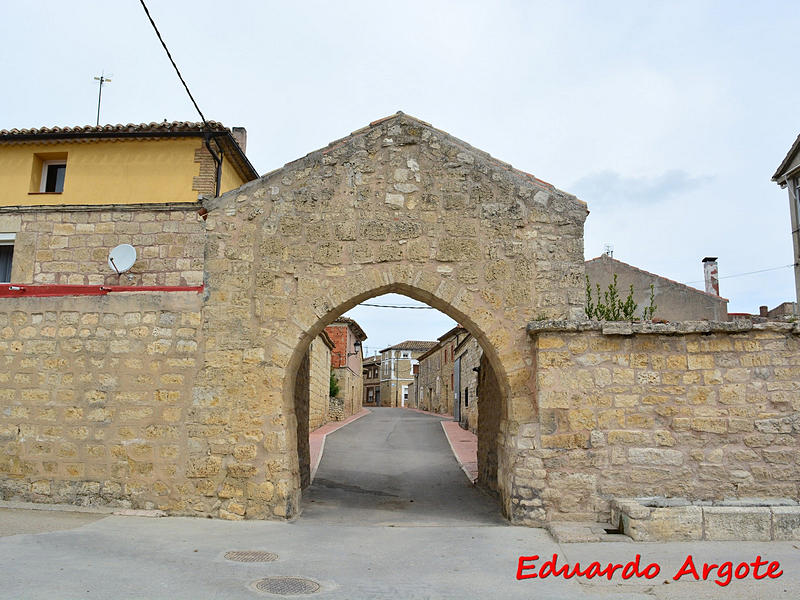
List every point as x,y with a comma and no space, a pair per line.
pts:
102,79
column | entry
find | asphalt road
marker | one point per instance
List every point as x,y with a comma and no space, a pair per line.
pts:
360,537
394,467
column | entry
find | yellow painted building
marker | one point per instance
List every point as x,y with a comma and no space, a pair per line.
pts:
80,168
120,164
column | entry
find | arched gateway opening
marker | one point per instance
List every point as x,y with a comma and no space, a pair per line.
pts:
395,207
491,397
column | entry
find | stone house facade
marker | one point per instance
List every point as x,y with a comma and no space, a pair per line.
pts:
675,301
372,380
187,398
346,364
467,363
437,378
397,370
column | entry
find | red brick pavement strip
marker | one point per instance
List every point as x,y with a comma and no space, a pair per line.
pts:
464,444
316,439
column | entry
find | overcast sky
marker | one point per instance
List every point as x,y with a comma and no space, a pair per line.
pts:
667,118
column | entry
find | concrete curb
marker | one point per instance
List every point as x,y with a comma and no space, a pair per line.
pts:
316,456
462,451
100,510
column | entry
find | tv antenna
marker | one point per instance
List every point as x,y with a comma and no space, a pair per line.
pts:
102,79
608,250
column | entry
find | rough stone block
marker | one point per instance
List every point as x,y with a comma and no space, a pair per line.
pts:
750,524
786,523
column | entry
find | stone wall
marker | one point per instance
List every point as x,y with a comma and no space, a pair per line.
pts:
397,206
351,390
703,411
70,244
95,394
470,353
319,382
490,407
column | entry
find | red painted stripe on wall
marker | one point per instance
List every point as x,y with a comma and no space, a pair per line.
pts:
11,290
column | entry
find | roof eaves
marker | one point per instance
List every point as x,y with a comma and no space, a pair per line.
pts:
787,159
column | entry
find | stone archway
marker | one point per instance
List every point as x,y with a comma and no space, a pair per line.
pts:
396,206
492,401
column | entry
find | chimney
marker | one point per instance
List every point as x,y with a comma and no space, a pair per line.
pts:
763,311
240,135
711,275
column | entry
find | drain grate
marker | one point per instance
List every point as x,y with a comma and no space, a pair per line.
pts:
249,556
287,586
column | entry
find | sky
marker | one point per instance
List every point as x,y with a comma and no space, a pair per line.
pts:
667,118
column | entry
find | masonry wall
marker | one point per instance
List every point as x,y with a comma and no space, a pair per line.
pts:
351,390
70,244
489,427
694,410
470,354
319,383
95,393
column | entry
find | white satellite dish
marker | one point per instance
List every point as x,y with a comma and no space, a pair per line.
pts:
121,258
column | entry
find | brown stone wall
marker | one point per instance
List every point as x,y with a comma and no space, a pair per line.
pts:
302,407
319,383
430,381
95,393
470,353
398,206
70,244
694,410
351,390
490,406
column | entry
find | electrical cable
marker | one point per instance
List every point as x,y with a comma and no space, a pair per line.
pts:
395,306
186,87
748,273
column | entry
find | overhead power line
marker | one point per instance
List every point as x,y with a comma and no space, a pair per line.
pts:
748,273
395,306
186,87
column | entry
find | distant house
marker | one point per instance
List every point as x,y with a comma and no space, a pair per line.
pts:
371,370
675,301
788,176
436,383
396,370
346,358
447,381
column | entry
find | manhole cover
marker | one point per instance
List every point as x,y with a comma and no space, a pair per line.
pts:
287,586
250,556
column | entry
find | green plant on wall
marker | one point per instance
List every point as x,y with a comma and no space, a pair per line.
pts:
608,305
334,385
649,311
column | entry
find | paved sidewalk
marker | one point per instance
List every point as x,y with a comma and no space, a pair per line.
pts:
464,445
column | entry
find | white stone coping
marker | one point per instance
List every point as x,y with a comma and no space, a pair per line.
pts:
654,519
648,327
103,510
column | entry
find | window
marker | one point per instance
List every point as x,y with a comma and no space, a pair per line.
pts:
6,256
466,396
53,173
405,354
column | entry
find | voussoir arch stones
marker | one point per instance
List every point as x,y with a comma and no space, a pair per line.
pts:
397,206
